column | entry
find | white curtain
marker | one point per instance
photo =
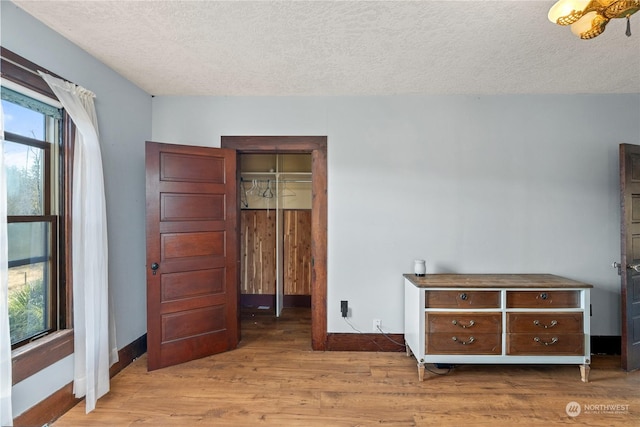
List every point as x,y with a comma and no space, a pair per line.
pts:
94,328
6,417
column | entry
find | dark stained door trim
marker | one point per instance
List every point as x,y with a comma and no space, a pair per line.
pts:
317,146
630,255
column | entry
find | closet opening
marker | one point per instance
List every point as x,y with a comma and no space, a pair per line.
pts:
316,147
275,232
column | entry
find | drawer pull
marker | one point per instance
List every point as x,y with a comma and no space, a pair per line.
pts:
550,325
471,323
471,339
543,296
463,296
553,341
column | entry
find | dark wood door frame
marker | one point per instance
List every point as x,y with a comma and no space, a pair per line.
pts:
630,258
317,147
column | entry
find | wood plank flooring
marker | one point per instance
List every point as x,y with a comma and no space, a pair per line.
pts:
274,378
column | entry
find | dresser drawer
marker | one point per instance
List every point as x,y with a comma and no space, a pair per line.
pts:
545,344
462,299
463,322
543,299
463,343
558,323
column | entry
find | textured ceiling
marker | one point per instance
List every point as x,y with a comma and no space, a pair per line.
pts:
345,47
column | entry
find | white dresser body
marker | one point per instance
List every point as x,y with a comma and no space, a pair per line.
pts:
489,318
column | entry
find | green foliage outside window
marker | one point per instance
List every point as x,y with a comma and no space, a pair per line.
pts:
26,311
25,182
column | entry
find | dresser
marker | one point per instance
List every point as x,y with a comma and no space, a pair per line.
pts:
497,318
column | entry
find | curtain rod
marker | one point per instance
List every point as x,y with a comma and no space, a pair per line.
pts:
34,72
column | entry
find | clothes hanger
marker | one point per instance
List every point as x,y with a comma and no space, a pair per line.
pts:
267,192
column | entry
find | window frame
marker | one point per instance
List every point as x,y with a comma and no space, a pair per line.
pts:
52,219
30,358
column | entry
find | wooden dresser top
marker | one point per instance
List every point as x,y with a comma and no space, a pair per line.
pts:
494,281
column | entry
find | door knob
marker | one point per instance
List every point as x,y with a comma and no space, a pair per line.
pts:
635,267
154,267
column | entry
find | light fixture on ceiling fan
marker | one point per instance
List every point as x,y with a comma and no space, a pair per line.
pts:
588,18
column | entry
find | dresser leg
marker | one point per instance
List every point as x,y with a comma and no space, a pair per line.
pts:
420,371
408,349
584,372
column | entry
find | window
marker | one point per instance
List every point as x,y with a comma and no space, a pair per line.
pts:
32,152
38,229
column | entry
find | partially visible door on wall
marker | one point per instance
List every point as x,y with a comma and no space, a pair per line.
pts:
630,254
191,253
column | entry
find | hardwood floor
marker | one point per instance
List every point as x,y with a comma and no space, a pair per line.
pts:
274,378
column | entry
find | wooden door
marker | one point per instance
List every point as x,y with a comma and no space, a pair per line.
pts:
191,253
630,251
257,252
297,252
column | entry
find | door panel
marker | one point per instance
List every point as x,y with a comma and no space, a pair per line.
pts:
258,258
630,251
182,207
297,253
191,235
188,284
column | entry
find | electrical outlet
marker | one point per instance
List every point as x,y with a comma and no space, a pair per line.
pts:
344,308
377,324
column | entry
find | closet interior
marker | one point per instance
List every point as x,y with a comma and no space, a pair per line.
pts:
275,231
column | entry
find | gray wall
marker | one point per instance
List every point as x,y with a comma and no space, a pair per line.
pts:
472,184
124,116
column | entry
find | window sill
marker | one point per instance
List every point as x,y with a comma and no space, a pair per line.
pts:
33,357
